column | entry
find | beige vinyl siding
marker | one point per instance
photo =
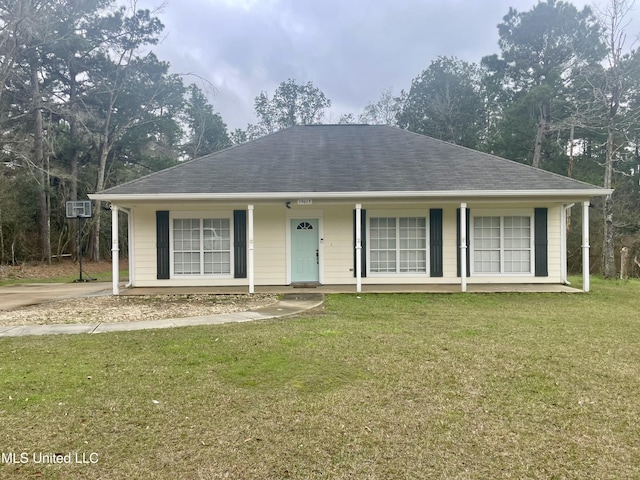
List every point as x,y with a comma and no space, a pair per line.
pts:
554,231
144,259
270,256
337,245
449,246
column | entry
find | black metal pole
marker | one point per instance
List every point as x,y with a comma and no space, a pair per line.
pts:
80,246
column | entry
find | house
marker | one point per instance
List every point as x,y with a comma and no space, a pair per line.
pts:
347,205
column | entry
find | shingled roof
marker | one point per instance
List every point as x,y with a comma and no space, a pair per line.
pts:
347,159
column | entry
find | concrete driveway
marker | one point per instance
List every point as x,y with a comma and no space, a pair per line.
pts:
24,294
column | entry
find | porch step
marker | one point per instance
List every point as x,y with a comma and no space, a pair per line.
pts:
305,284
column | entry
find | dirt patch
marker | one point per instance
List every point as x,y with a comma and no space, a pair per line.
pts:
111,309
58,269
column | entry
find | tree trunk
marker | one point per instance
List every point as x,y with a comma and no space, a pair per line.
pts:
542,126
103,155
73,160
95,231
40,167
93,249
624,261
571,157
608,255
608,260
1,239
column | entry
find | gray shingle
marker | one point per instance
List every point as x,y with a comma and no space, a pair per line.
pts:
346,158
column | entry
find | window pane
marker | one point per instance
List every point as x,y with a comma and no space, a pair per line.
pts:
182,234
517,255
382,244
214,249
413,261
413,244
186,234
217,263
398,244
186,263
486,244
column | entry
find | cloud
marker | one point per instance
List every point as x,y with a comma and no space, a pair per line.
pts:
351,50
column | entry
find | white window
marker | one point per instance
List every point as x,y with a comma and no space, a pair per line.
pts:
502,244
201,246
486,244
398,245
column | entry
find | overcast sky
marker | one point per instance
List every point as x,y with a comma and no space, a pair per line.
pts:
350,49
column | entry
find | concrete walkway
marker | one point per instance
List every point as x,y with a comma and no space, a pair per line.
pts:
290,304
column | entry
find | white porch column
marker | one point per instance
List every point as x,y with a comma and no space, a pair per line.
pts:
563,244
115,257
131,248
585,247
358,221
463,246
250,263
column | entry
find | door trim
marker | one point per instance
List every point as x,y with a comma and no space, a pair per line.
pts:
305,215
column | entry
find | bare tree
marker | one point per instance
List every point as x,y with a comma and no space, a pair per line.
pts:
291,104
383,111
614,20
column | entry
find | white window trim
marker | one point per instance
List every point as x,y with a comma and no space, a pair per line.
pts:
201,215
502,213
397,214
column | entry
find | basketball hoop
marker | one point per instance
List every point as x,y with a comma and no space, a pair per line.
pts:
80,209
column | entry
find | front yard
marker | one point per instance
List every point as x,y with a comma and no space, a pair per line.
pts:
368,387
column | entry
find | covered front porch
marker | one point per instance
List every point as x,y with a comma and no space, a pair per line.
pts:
356,283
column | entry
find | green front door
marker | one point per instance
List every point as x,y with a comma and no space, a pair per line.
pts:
304,251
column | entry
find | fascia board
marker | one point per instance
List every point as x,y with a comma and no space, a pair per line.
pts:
463,194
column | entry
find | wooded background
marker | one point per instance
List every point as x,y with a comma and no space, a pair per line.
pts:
85,104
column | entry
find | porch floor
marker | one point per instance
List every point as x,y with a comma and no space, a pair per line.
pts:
280,289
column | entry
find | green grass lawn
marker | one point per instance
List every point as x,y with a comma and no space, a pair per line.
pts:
369,387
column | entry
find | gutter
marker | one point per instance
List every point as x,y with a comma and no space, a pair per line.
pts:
385,195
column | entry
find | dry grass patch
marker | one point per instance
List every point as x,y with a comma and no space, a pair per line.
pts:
377,387
61,271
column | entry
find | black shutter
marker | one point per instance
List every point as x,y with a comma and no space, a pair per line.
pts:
458,241
240,244
162,244
541,242
363,238
435,242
